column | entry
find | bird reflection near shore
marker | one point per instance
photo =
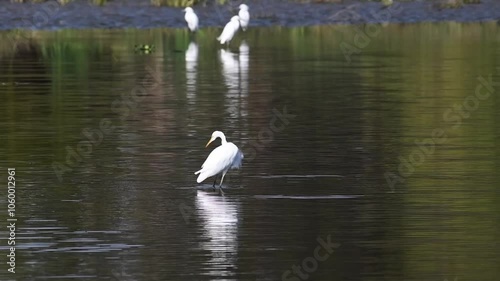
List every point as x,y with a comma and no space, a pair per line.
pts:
235,72
191,72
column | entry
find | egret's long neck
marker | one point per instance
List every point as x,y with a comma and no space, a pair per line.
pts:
223,139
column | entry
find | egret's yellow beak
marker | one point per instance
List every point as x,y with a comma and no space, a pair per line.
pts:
211,140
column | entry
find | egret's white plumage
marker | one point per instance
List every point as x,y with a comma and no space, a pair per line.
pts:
244,16
191,19
221,159
229,30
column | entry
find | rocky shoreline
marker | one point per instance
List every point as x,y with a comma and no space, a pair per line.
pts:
80,14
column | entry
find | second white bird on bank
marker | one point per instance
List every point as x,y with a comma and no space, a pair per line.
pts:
221,159
191,19
229,30
244,16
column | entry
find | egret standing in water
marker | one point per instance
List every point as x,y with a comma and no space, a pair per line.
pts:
191,19
229,30
244,16
224,157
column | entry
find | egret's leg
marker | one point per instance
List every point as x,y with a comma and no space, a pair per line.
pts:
215,180
223,174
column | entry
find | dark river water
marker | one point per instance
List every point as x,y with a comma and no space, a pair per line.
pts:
369,157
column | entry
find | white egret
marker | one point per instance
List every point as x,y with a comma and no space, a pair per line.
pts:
229,30
191,19
224,157
244,16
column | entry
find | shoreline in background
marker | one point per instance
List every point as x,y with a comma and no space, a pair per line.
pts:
80,14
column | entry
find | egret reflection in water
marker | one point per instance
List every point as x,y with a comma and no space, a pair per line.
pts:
191,72
244,57
235,73
230,70
220,223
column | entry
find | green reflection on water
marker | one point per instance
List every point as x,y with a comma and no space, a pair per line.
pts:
392,93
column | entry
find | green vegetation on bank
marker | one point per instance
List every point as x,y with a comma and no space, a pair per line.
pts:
187,3
171,3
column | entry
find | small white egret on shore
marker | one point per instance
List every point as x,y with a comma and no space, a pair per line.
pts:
221,159
191,19
244,16
229,30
